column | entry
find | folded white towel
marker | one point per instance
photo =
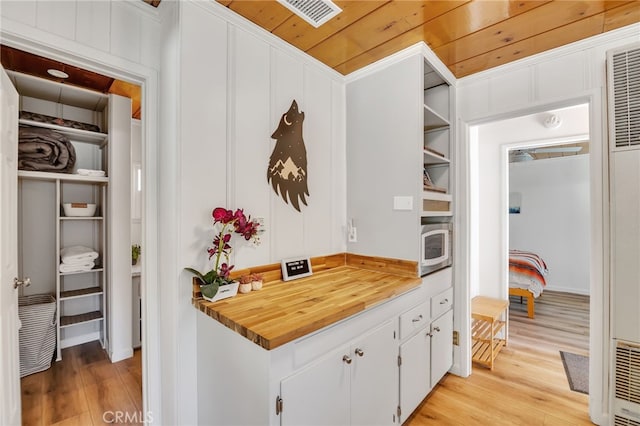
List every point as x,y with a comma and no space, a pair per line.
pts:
81,267
77,254
90,172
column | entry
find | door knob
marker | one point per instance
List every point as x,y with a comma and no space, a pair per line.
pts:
25,283
359,352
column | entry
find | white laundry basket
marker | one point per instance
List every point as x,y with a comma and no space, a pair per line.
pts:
37,315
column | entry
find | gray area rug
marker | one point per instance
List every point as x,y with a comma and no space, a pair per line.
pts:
577,369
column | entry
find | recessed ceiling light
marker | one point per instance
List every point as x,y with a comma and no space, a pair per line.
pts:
57,73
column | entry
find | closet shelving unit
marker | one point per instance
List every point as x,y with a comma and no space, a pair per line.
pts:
80,296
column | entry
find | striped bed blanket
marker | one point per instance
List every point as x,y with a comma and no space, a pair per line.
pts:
527,271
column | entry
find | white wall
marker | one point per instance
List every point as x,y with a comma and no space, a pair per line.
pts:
225,85
554,219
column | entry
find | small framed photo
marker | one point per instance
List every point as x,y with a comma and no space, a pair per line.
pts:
296,267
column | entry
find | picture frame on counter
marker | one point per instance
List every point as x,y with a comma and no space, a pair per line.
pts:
296,267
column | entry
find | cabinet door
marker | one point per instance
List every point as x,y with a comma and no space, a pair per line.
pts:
374,377
441,346
415,368
319,394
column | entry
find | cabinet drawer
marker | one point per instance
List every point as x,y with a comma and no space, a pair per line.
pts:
414,319
441,302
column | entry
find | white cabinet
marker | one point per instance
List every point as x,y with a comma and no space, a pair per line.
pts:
414,355
441,346
355,384
426,346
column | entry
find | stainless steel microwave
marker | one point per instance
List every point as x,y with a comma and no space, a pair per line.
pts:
436,250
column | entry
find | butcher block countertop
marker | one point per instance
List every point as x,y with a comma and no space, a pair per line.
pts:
283,311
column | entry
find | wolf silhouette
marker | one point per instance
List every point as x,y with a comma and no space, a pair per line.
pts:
287,169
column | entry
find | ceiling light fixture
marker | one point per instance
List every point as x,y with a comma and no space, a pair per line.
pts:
57,73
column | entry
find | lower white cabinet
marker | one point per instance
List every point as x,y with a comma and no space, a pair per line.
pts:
415,371
355,384
441,346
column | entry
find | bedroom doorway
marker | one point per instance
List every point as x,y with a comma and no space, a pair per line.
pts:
517,163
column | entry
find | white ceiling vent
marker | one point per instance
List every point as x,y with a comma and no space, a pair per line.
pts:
315,12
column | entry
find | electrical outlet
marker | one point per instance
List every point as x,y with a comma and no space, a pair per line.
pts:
353,235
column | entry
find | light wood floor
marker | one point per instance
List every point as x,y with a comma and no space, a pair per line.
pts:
528,385
81,388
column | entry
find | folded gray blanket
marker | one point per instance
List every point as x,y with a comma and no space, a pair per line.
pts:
45,150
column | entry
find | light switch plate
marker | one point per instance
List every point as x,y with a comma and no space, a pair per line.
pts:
403,203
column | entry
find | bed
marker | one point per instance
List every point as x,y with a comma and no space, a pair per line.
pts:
526,277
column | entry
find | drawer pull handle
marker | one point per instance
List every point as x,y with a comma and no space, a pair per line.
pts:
436,329
419,318
359,352
442,302
346,359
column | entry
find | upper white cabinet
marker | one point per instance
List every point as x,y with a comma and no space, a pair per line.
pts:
399,151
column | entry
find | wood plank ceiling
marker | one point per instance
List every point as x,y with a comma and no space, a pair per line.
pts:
467,36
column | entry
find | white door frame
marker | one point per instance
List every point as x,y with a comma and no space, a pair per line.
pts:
599,335
147,78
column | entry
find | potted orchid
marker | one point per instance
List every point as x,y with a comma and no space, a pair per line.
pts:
227,222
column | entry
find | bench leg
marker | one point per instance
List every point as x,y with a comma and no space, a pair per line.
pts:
530,306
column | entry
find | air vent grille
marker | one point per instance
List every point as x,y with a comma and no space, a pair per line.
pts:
622,421
315,12
627,373
626,97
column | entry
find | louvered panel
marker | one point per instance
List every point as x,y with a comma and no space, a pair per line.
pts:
627,373
625,71
622,421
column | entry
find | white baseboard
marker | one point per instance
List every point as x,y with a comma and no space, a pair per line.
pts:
583,291
121,354
78,340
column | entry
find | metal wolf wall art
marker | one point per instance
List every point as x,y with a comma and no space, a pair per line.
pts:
287,170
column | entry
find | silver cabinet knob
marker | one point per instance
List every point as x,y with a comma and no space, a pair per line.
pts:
442,302
436,329
359,352
25,283
346,359
418,318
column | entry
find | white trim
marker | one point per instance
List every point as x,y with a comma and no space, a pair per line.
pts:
120,355
599,309
592,42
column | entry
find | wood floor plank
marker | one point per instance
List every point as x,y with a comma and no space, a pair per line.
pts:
59,406
32,399
83,419
528,385
107,399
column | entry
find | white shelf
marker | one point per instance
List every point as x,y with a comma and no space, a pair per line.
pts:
74,135
28,174
433,120
81,218
83,292
432,158
437,196
62,274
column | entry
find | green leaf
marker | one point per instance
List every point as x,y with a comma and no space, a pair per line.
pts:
209,290
197,274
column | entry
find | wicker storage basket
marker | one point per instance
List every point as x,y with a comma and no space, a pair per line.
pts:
37,315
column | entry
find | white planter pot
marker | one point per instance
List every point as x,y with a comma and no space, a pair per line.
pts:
224,292
256,285
244,288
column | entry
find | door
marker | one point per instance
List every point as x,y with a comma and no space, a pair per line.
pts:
9,323
415,383
319,394
441,346
374,377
